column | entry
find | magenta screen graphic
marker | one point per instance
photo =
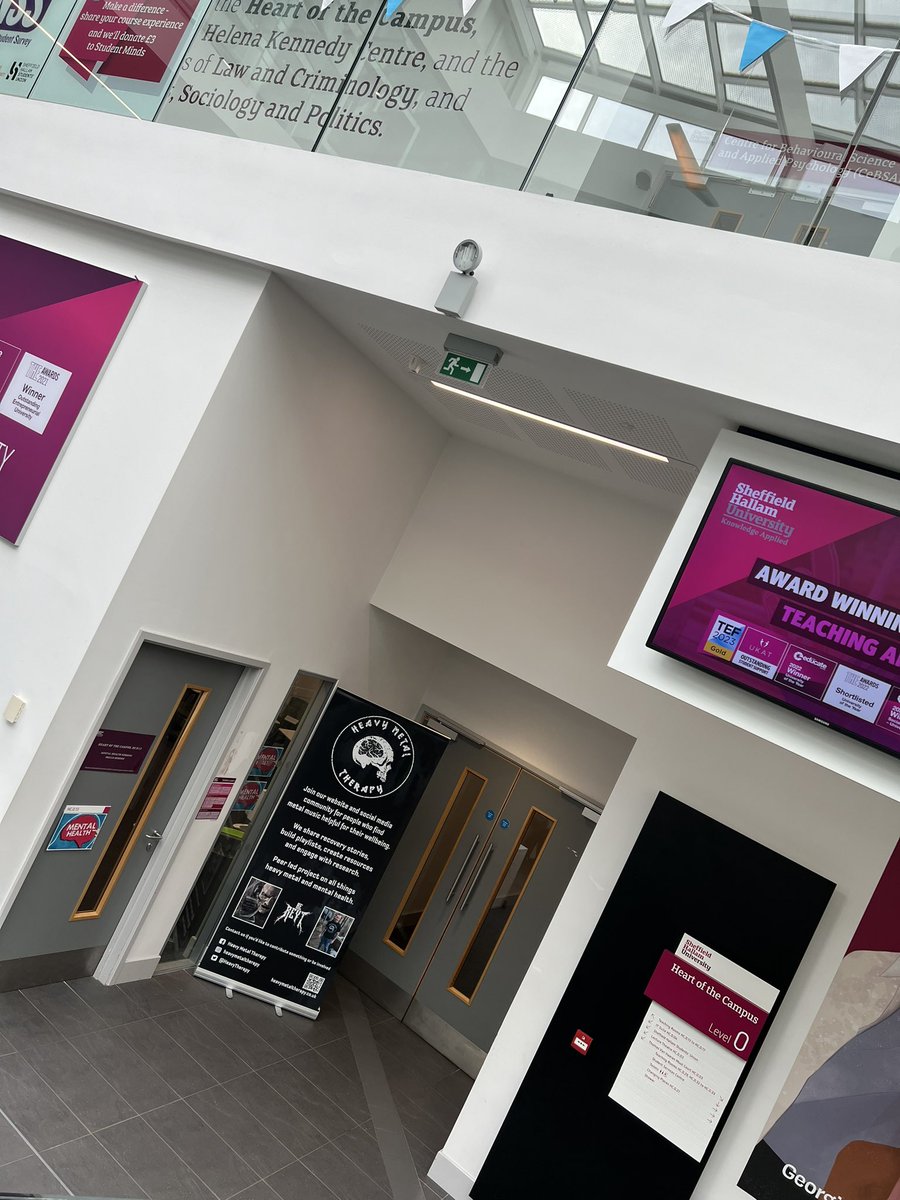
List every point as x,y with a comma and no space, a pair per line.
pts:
59,320
793,592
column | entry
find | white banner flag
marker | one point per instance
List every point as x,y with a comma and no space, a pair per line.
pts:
680,9
853,61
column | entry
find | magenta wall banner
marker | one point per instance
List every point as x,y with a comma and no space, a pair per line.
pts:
791,591
117,752
59,320
214,800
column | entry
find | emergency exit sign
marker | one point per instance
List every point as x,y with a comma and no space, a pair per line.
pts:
470,370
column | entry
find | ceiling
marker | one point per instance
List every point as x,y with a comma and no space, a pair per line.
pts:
407,345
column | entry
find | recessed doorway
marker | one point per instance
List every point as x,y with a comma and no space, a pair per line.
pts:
467,898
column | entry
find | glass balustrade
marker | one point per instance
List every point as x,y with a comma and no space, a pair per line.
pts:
585,100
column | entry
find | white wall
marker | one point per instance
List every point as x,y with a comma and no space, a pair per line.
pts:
573,748
58,583
269,542
781,326
560,568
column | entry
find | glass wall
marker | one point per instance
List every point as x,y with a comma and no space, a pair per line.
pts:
585,100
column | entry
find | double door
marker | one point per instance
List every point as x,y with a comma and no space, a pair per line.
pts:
467,898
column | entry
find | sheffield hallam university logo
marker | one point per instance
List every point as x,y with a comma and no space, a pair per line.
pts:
372,757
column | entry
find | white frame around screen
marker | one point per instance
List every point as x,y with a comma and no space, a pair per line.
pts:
826,747
111,966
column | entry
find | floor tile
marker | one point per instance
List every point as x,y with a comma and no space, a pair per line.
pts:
75,1081
374,1011
306,1098
237,1035
249,1137
151,1163
410,1049
21,1021
340,1054
188,989
32,1106
221,1061
326,1028
341,1175
90,1170
5,1046
150,997
283,1120
208,1156
284,1033
328,1079
182,1072
420,1123
110,1003
257,1191
362,1148
297,1182
64,1009
455,1087
134,1080
11,1145
29,1177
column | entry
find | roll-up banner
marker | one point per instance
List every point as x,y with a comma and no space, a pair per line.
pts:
322,853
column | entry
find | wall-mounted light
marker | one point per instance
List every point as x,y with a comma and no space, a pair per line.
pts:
519,412
459,289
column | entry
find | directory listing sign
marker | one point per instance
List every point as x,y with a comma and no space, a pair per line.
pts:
792,591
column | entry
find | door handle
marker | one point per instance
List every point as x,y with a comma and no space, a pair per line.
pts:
478,874
152,838
462,870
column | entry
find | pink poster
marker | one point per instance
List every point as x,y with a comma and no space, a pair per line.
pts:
127,39
59,320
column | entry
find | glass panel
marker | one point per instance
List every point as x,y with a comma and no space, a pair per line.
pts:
698,137
271,71
27,30
434,862
140,803
500,908
247,804
462,95
116,56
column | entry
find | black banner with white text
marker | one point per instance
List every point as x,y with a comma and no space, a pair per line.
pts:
323,851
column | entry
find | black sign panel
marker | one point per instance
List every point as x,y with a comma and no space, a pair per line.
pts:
322,853
641,1064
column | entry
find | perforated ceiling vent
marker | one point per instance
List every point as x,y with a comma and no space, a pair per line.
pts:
475,413
629,424
403,349
668,477
528,394
568,444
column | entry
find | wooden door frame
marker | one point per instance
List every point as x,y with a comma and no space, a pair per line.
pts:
112,966
128,927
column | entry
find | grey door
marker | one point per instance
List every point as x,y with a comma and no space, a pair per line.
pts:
150,742
467,898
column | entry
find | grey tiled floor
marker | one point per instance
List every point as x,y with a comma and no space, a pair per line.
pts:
168,1090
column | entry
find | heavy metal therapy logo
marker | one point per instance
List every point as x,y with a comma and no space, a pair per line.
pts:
372,757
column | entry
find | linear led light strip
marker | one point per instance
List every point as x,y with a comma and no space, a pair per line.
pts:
74,58
519,412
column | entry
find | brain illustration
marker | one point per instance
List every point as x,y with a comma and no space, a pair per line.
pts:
374,752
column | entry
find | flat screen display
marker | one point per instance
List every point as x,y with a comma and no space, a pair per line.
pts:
792,591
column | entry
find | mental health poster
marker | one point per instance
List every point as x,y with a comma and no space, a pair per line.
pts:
792,591
322,853
59,321
835,1132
